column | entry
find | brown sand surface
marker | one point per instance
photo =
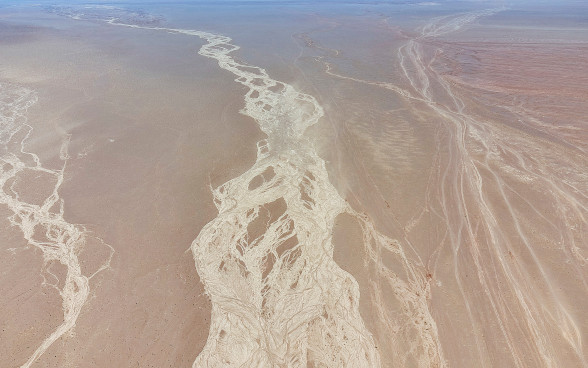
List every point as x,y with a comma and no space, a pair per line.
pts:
456,140
492,221
31,308
150,133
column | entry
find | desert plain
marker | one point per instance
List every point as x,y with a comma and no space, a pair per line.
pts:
293,184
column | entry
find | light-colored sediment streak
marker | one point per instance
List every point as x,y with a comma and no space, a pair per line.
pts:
278,297
480,156
266,260
42,224
481,190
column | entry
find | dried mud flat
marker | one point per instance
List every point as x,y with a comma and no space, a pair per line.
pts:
416,200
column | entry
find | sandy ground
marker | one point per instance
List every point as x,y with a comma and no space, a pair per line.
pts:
488,203
456,141
150,133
